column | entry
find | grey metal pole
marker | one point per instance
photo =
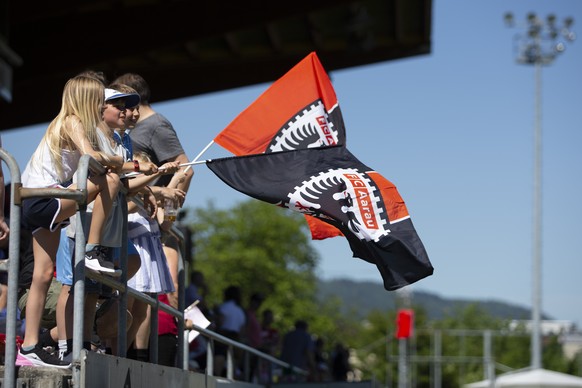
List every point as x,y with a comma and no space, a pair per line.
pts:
402,364
388,360
79,272
13,254
536,348
122,305
438,352
539,46
182,356
154,324
489,367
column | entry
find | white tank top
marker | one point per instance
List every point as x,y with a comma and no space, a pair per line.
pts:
40,170
109,146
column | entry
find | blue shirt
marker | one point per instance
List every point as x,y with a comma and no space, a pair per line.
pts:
125,141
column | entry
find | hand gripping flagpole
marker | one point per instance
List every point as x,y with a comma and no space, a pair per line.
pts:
195,160
187,165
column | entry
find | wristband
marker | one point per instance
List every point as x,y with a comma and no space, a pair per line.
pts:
136,165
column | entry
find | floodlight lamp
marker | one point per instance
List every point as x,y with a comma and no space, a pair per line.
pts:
551,19
568,22
531,18
508,18
533,32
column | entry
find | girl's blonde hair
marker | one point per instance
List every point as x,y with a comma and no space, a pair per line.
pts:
141,156
82,101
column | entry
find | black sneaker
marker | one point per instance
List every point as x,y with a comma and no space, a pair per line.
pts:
65,356
46,342
95,261
39,357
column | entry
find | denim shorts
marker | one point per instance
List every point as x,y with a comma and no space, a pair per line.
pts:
65,260
66,263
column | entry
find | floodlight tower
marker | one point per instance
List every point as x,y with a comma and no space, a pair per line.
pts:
538,46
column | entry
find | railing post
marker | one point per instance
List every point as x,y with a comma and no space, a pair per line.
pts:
181,356
13,264
122,305
229,363
247,367
154,310
79,271
210,357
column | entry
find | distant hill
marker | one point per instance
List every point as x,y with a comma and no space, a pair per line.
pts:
359,298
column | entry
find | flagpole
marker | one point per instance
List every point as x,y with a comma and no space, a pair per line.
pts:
195,162
133,174
197,156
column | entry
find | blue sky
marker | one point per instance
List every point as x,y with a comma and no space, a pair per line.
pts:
453,130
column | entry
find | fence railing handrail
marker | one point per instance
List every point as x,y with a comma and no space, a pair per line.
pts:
88,164
230,342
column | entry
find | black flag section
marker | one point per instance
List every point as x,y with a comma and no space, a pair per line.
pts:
334,186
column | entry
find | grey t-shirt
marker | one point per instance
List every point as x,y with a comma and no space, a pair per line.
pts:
156,136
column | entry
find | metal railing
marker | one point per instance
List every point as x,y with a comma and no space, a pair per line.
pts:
86,165
231,345
17,194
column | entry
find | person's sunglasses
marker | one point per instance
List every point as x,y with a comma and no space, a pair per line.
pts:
118,106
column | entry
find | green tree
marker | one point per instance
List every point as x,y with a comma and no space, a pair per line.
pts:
261,248
267,249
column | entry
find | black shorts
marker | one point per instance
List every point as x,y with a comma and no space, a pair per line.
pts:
41,213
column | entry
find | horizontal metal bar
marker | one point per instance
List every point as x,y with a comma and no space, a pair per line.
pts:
54,192
235,344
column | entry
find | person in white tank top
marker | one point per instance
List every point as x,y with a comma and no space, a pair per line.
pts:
69,136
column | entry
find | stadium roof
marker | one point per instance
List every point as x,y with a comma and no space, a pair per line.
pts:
186,48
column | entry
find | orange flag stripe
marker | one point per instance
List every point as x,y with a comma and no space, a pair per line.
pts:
393,202
253,129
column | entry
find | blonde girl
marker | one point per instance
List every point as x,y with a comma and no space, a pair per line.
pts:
69,136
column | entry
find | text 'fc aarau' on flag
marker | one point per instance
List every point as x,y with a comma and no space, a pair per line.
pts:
299,110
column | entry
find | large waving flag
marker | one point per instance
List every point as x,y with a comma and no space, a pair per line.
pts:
333,186
299,110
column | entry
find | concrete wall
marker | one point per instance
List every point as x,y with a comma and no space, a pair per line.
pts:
104,371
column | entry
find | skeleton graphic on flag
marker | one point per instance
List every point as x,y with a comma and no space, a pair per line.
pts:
333,185
299,110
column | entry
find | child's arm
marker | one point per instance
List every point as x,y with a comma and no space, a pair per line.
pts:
177,179
137,183
131,206
149,201
146,168
76,132
163,193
